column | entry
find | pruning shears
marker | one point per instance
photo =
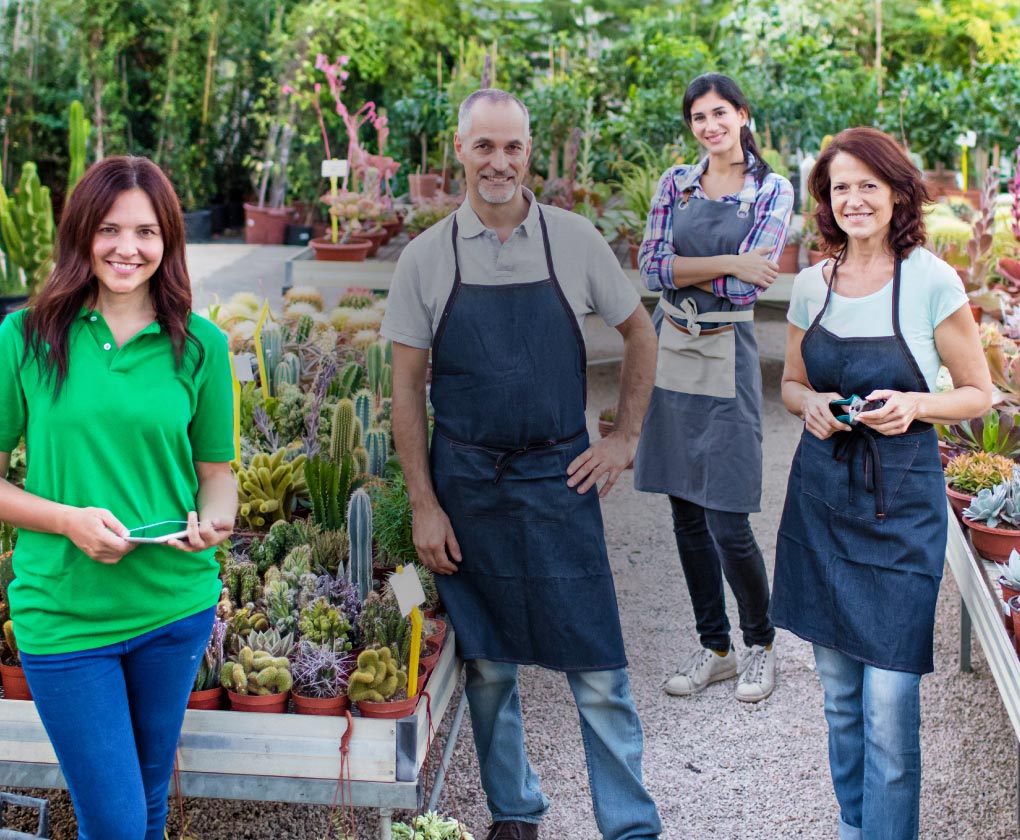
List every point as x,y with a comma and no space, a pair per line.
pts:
846,410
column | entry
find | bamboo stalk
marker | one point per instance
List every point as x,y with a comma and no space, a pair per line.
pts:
210,55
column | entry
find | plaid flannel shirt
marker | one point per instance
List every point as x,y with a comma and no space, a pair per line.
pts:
773,206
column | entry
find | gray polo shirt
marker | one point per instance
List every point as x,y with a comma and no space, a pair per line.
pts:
586,267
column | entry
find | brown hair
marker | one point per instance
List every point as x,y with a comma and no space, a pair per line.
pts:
72,285
883,156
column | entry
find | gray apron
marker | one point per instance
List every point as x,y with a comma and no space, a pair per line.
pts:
701,439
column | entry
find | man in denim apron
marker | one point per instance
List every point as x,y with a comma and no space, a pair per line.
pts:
506,511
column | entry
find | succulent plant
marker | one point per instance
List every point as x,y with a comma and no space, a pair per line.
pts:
211,666
320,671
376,678
997,432
970,472
1011,571
430,826
324,625
986,506
10,650
256,672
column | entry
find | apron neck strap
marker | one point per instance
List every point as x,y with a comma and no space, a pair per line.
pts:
456,258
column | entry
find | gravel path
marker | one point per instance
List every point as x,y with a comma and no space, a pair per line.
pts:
716,767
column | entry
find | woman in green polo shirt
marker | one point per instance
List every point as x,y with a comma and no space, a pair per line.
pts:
123,396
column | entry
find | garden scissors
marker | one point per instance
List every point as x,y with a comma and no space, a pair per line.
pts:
846,410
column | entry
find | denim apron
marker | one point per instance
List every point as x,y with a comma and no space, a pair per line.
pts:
862,541
508,387
701,438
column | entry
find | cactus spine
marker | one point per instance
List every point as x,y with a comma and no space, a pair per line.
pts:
374,364
287,371
359,529
377,445
329,483
363,408
344,434
377,677
272,352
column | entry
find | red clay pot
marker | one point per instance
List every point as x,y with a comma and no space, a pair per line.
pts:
788,258
15,684
1008,593
376,237
429,661
815,257
1014,612
958,501
209,698
436,638
993,544
275,703
266,225
326,706
389,711
634,248
356,250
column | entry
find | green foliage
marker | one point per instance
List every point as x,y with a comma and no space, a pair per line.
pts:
359,527
381,625
329,486
277,543
322,624
970,472
430,826
392,517
77,135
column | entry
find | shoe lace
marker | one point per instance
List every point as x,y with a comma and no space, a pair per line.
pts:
755,670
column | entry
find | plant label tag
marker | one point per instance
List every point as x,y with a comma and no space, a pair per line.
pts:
334,168
242,368
407,588
967,138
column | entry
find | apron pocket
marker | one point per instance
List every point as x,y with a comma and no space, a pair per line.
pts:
703,364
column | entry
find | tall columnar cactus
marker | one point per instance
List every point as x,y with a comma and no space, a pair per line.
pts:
329,484
287,371
348,381
374,362
377,444
344,435
272,352
359,529
26,226
77,135
363,408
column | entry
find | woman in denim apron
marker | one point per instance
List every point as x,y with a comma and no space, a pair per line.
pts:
712,235
862,541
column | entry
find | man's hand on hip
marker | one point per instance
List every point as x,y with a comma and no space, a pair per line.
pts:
608,457
435,541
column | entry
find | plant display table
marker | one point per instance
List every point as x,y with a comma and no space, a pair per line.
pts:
981,612
278,758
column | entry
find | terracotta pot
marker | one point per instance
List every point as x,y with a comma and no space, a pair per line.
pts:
429,661
993,544
354,251
945,453
436,637
633,247
976,312
422,187
1014,614
266,225
376,237
275,703
940,182
389,711
15,684
393,228
606,427
815,257
788,259
958,501
326,706
1008,594
209,698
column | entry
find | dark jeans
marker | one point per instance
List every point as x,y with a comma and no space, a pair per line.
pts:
713,543
114,715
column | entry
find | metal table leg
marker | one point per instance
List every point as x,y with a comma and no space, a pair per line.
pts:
965,628
385,824
451,742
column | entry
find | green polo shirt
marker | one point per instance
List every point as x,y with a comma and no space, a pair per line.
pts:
123,434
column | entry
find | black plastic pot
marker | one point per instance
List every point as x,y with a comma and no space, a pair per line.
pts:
218,220
297,235
198,226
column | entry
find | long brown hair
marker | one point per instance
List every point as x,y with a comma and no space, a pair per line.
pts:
72,285
883,156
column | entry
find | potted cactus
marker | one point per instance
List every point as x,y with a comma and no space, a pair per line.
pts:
258,677
207,693
970,472
14,682
320,679
993,519
377,685
607,420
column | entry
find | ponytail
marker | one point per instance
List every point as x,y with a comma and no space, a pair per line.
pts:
759,167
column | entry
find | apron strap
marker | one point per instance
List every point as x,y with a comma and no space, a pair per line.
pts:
688,312
438,337
922,383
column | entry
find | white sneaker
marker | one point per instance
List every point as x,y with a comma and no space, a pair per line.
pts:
757,673
701,668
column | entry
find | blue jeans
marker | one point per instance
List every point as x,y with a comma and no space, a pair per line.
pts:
713,543
612,739
113,715
874,718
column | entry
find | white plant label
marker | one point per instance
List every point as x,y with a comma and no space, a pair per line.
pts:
242,368
968,139
407,588
334,168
